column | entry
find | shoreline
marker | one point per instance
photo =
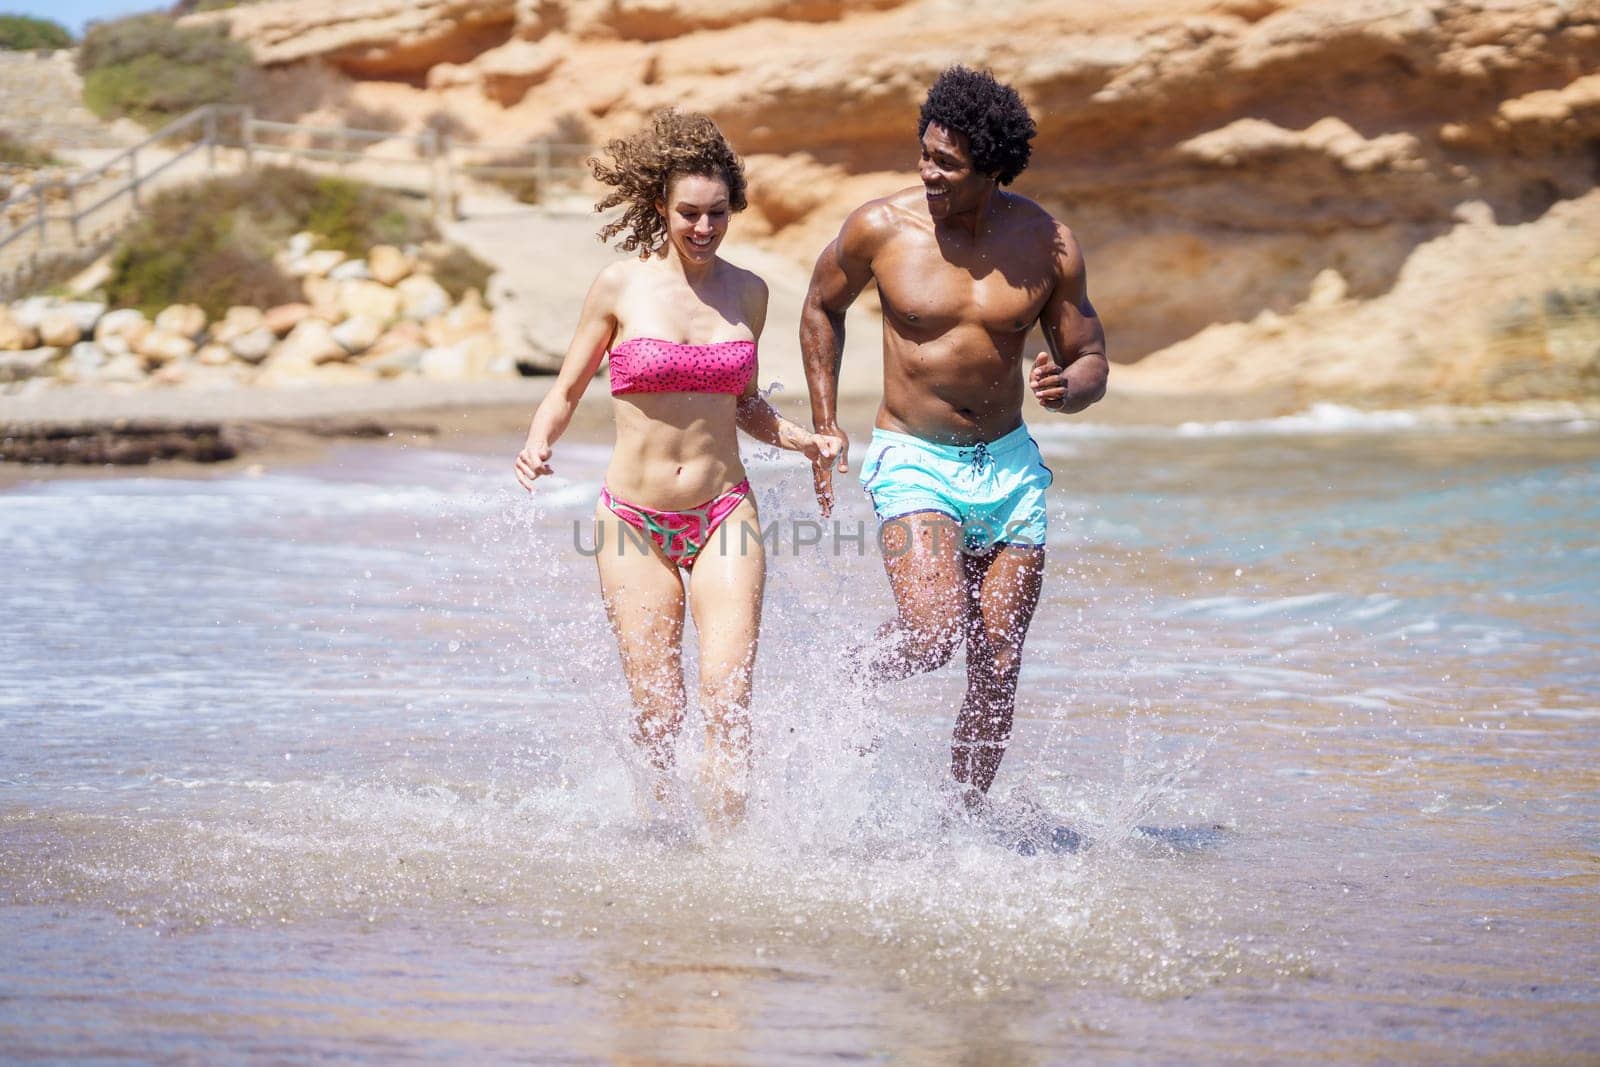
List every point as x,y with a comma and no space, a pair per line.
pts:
87,432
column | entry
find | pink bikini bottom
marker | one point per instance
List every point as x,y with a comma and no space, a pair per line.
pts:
679,534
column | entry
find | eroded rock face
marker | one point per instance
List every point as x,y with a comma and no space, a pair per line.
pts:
1214,157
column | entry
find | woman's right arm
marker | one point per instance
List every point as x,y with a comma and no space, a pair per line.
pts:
596,327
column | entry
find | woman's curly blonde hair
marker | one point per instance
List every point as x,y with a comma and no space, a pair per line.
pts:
642,168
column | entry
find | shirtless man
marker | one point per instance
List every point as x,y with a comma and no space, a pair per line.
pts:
964,270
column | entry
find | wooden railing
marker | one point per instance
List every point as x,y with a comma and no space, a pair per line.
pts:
232,136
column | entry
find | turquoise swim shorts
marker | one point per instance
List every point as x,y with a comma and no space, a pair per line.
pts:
994,490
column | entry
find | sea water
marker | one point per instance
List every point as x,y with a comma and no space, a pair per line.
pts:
330,761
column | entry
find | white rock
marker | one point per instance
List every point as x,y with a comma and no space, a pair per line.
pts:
186,320
114,346
422,298
308,344
126,369
214,355
239,320
252,347
163,346
358,333
316,264
301,243
444,364
30,363
58,329
405,359
85,314
14,336
370,299
389,265
31,312
124,322
350,270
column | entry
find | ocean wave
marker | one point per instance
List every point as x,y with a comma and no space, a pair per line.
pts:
1331,418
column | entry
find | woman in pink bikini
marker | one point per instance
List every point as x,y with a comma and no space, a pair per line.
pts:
681,325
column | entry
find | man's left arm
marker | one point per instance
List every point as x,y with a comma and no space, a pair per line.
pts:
1072,374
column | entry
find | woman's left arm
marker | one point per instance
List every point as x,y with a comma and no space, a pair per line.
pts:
760,419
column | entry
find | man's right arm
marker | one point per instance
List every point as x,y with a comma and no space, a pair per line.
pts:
843,270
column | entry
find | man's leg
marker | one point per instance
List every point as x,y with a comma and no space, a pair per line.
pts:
921,553
1003,589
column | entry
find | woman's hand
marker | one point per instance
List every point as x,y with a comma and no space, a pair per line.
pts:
822,449
532,462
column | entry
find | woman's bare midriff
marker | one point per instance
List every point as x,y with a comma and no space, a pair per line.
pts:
674,450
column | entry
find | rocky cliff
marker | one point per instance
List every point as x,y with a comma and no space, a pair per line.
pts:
1363,183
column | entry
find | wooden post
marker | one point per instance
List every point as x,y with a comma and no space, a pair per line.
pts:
72,206
451,206
41,219
430,148
247,136
211,139
133,177
544,170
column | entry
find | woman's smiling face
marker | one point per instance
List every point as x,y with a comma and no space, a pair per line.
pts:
697,216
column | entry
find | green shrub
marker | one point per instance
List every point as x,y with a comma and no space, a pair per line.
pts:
212,243
152,70
459,270
23,33
21,154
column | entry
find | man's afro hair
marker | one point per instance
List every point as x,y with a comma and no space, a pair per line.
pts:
991,115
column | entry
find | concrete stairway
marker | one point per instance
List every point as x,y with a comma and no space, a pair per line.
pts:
41,102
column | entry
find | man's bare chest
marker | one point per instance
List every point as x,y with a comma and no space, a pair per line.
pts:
924,292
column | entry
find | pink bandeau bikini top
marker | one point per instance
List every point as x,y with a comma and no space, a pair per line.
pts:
650,365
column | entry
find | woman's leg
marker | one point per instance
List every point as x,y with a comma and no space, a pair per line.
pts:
726,588
643,594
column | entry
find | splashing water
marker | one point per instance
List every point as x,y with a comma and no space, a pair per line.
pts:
378,696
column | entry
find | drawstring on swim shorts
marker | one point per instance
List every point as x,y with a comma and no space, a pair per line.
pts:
978,454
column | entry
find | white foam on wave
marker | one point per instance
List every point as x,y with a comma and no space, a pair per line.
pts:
1331,418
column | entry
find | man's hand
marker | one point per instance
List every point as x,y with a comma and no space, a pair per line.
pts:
821,467
1048,382
533,461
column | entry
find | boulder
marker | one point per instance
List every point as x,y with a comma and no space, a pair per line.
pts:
124,369
59,329
350,270
358,333
159,347
31,312
84,362
466,319
85,314
308,344
28,363
126,323
186,320
253,347
214,355
323,296
14,336
315,264
239,320
389,264
395,361
422,298
285,317
447,364
370,299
